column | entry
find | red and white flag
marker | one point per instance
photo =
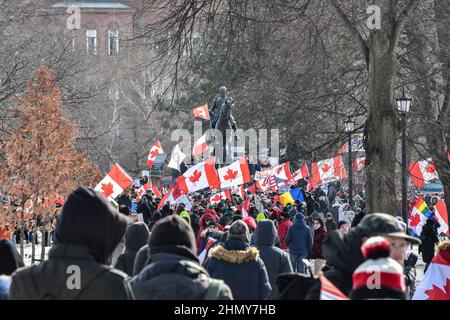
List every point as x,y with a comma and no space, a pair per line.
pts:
114,183
200,146
358,164
198,177
246,208
220,196
148,186
328,290
176,158
422,172
154,151
235,174
435,284
201,112
202,255
442,217
239,190
171,196
327,171
282,171
301,173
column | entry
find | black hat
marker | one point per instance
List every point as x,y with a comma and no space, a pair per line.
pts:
382,224
172,231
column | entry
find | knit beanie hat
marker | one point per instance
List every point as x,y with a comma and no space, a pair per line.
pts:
379,277
172,231
239,231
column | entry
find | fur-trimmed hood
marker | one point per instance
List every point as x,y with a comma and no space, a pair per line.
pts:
234,256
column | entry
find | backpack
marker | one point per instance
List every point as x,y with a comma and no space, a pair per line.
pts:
213,289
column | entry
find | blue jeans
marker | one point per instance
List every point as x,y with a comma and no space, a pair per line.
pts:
297,262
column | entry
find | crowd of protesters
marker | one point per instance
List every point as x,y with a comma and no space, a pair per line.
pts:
217,251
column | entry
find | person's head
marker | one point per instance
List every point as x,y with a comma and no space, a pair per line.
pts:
317,224
343,226
87,219
239,231
399,248
172,231
329,216
297,203
223,90
134,217
390,281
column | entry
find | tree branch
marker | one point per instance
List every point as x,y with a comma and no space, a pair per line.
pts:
352,29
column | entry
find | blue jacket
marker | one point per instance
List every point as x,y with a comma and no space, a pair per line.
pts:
241,268
299,238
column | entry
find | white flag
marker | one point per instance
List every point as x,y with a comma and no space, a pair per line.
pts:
177,158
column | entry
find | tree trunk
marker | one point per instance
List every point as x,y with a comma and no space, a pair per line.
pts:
33,247
43,244
382,126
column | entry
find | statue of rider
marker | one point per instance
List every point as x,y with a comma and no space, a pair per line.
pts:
218,102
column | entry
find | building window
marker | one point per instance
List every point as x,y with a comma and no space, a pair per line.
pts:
113,42
91,41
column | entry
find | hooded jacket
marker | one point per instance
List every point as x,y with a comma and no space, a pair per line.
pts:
282,229
136,237
87,232
299,237
174,273
240,266
10,259
275,260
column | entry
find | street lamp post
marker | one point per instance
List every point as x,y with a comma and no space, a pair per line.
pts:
349,127
403,106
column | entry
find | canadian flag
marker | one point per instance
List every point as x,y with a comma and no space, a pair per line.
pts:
220,196
173,194
200,146
327,170
148,186
246,208
435,284
235,174
154,151
201,112
282,171
422,172
441,215
200,176
239,190
358,164
114,183
301,173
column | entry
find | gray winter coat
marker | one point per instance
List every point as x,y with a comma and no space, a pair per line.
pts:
276,260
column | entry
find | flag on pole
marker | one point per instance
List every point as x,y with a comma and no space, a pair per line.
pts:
301,173
200,146
220,196
357,144
246,208
201,112
114,183
442,217
172,194
422,172
198,177
327,171
235,174
282,171
358,164
154,151
418,217
177,158
291,196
